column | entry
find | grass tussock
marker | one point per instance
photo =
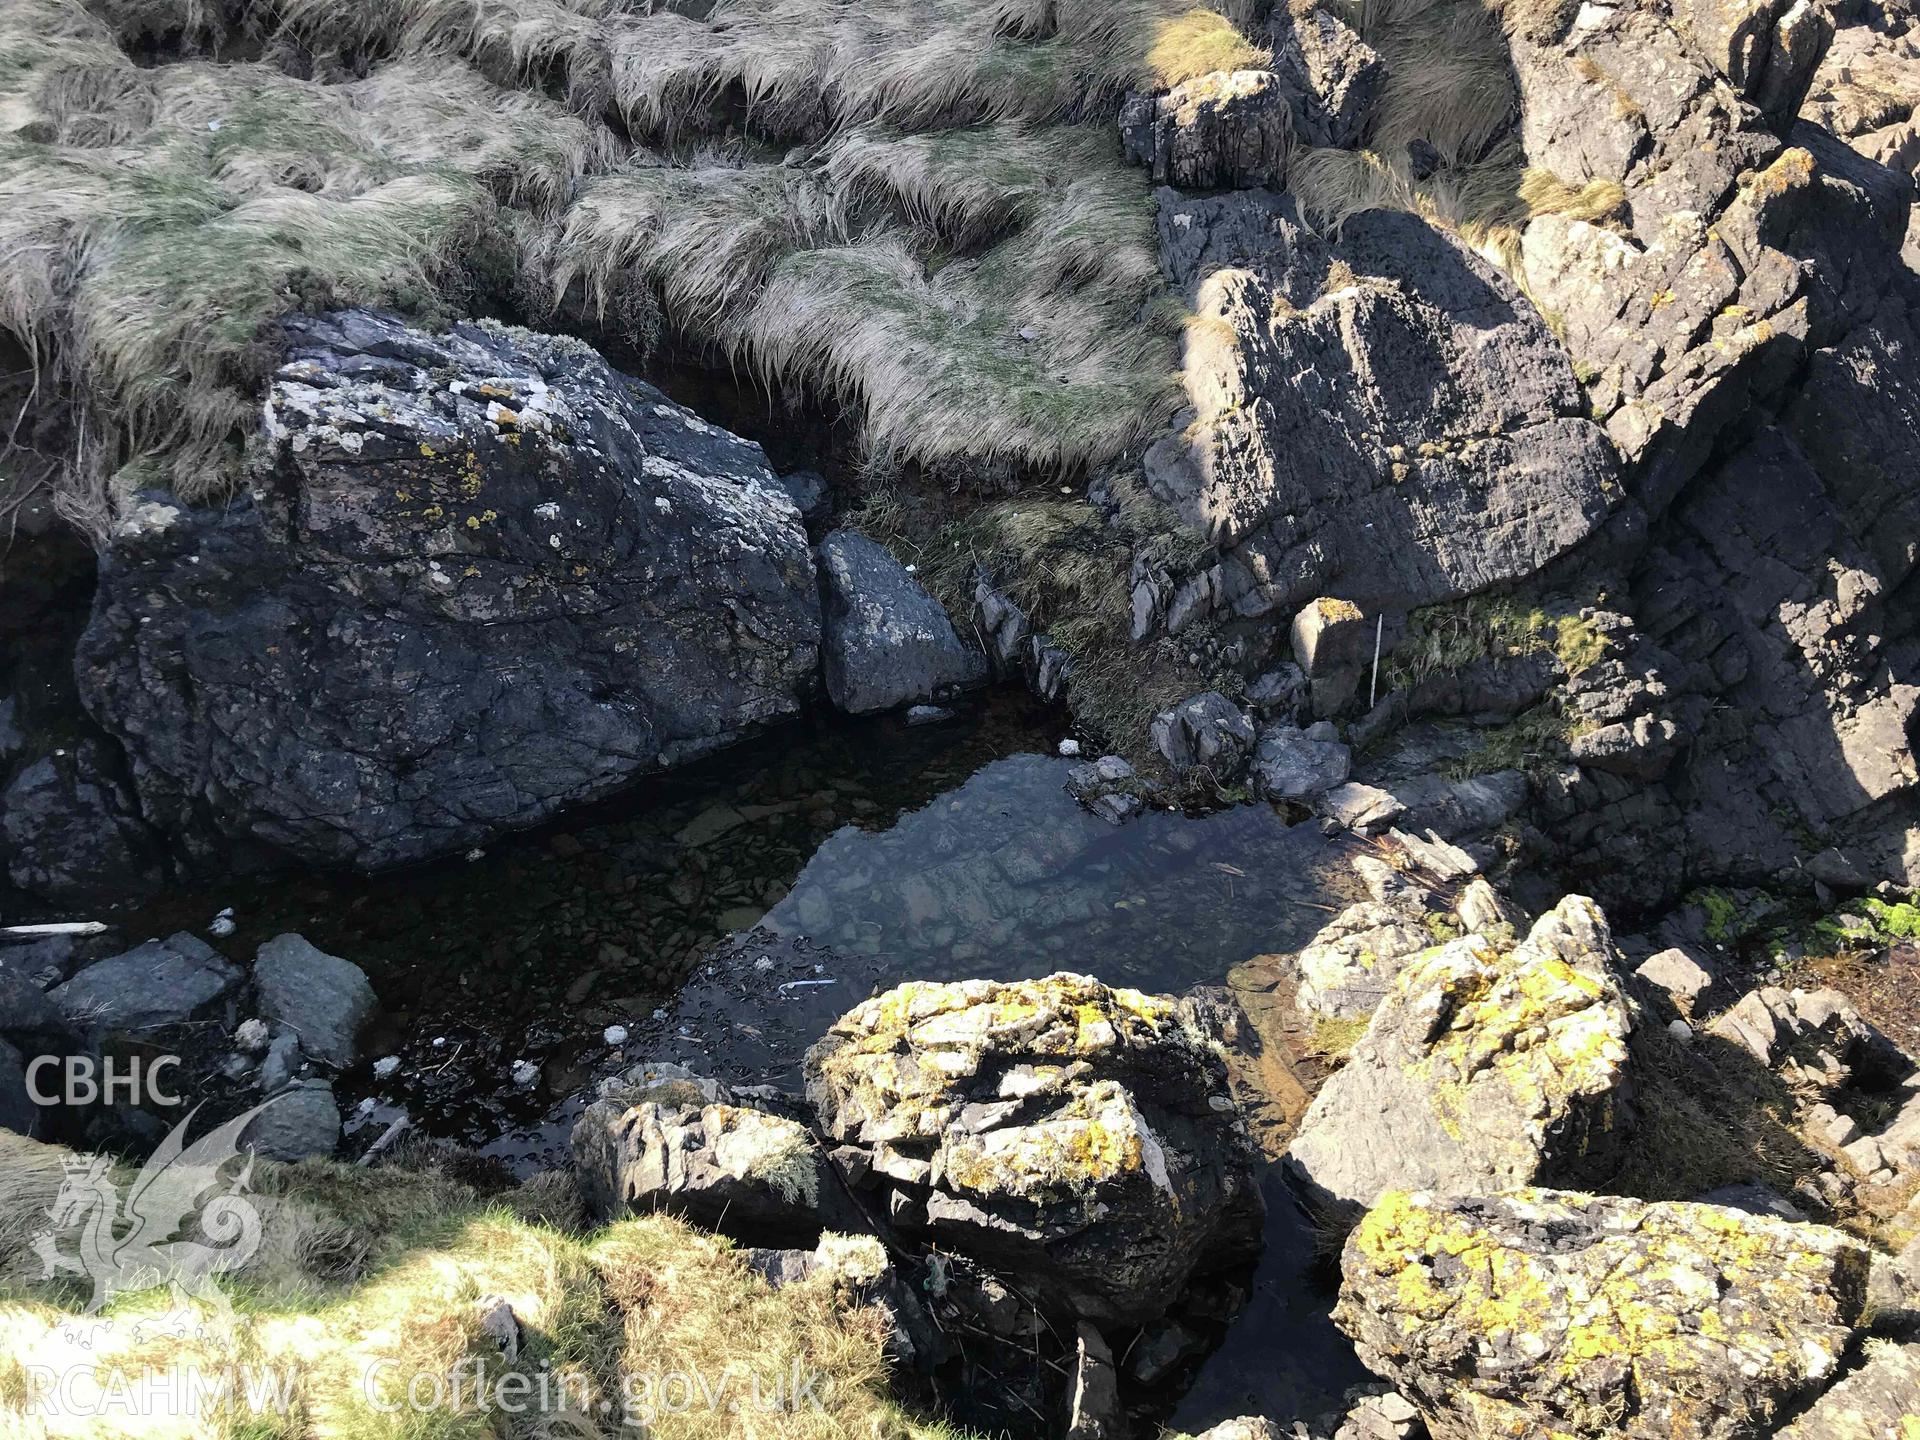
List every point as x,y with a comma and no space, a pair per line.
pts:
885,202
325,1352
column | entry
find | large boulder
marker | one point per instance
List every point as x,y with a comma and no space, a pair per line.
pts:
477,576
32,1026
888,642
1485,1067
1545,1313
663,1139
1383,417
1077,1137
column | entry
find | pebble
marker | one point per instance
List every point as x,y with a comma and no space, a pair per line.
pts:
614,1035
1681,1031
1069,747
252,1036
221,925
385,1066
525,1073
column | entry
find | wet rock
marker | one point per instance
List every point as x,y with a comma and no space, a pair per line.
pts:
299,1122
663,1139
1329,353
71,832
476,577
1294,764
1109,788
1365,809
1881,1397
1334,75
888,642
1229,128
1575,1315
1206,731
1485,1067
162,982
1076,1137
321,998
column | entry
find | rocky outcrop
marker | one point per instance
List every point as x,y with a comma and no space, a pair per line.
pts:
1485,1067
1546,1313
1077,1137
70,830
1382,418
1227,128
1880,1398
478,576
888,642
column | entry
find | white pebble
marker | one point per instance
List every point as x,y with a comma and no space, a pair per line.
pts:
366,1106
1069,747
220,926
525,1072
385,1066
252,1036
659,1014
614,1035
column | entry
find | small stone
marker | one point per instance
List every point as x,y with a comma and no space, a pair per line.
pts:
1069,747
252,1036
1680,1030
614,1034
928,714
525,1074
386,1067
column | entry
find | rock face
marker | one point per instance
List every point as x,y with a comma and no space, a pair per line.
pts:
1385,418
1076,1137
1227,128
888,642
69,830
1565,1315
1881,1398
321,998
162,982
479,576
1484,1068
663,1139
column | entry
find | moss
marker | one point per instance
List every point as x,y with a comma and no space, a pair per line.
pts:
1331,1038
1723,915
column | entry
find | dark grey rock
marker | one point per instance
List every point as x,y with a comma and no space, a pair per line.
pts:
296,1124
888,642
70,830
809,492
1334,75
1392,423
1206,731
1454,809
162,982
1228,128
1109,788
477,577
283,1061
322,999
1289,764
44,963
1094,1410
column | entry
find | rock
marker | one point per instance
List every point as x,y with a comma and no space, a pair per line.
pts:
299,1122
494,1317
42,963
1381,1417
324,1000
1109,788
282,1062
1554,1313
810,493
70,830
1881,1397
665,1140
928,714
1753,1198
1160,1350
1279,693
1456,809
1288,764
888,642
1816,1036
1244,1427
1206,731
1229,128
32,1026
1076,1137
1327,354
1333,75
1351,964
1094,1406
1485,1067
1360,808
1679,974
163,982
476,577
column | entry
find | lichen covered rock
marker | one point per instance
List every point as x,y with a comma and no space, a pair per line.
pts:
1878,1401
1077,1136
1484,1068
1554,1315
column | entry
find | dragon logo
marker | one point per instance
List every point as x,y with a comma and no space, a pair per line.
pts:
156,1229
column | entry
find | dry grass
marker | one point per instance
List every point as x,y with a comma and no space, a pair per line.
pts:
342,1344
882,202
